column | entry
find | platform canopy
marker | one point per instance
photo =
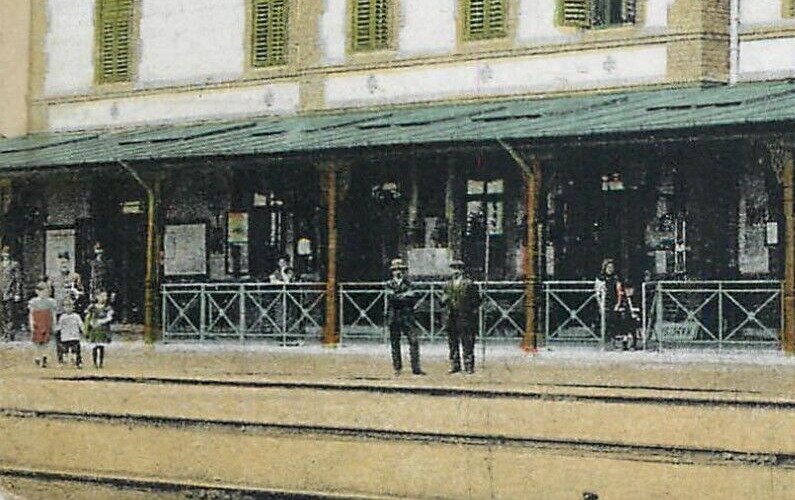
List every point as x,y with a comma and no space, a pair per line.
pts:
638,114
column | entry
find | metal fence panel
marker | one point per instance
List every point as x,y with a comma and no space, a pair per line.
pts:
572,312
290,314
715,313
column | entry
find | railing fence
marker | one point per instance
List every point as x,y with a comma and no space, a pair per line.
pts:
674,313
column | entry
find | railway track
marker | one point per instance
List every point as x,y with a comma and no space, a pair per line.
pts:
189,437
717,397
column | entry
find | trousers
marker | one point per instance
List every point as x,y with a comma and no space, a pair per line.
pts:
70,346
461,337
397,328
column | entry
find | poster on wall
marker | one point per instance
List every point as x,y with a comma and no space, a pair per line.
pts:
56,242
237,227
185,250
237,243
754,255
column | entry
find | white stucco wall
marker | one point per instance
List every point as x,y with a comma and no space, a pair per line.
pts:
760,11
191,41
69,47
427,27
536,20
767,59
538,73
333,29
210,104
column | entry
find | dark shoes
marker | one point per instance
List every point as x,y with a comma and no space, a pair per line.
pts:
454,370
419,372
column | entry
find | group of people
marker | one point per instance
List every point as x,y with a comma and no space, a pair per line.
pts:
54,313
461,300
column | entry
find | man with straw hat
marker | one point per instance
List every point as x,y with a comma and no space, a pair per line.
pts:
400,317
462,300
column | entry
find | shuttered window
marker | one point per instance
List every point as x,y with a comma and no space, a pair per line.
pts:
596,13
370,25
114,40
484,19
269,32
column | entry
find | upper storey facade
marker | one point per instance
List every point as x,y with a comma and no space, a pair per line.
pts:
118,63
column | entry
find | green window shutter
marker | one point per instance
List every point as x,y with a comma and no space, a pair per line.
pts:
575,13
484,19
269,33
370,25
114,34
381,23
628,10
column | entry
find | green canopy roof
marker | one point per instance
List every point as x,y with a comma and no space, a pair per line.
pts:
580,117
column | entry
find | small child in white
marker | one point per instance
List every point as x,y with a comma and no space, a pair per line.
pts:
70,324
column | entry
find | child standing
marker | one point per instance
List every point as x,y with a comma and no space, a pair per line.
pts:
70,326
41,319
98,317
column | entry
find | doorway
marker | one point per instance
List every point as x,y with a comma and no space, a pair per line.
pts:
119,224
594,214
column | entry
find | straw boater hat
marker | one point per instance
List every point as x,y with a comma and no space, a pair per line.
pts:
457,264
397,264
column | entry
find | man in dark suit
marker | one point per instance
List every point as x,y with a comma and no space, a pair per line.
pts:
462,300
400,317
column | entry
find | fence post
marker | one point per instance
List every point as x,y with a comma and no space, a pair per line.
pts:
202,310
432,297
241,312
341,296
643,317
658,315
720,315
163,305
546,312
284,314
603,320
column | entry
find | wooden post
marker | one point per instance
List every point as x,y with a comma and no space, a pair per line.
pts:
788,299
330,329
149,293
452,211
532,177
532,183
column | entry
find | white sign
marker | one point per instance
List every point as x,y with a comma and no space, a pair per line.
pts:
56,242
429,261
185,250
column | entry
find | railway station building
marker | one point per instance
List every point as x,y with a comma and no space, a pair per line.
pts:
201,141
